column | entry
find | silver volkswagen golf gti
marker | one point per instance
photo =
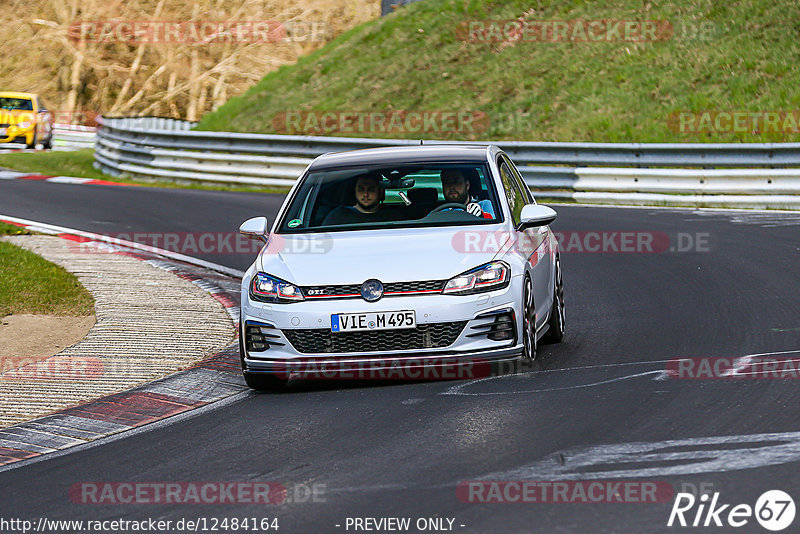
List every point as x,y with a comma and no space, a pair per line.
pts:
419,257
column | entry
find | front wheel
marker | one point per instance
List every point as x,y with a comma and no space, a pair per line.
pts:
528,322
48,143
33,142
265,382
555,330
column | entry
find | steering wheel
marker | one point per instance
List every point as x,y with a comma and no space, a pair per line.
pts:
450,206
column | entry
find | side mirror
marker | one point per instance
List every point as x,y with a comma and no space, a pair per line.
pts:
255,228
536,215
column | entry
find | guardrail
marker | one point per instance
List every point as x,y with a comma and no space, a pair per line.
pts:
157,148
71,137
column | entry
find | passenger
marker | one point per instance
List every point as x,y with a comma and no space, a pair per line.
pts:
369,200
455,188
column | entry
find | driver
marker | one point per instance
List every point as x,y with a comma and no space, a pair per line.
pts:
369,198
455,188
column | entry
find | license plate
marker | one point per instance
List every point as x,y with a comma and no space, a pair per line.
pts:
2,131
361,322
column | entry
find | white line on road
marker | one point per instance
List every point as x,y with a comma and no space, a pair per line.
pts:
690,456
51,228
660,375
457,390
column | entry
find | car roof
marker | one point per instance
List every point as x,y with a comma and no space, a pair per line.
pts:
437,153
9,94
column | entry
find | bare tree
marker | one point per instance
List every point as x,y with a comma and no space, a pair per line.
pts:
104,69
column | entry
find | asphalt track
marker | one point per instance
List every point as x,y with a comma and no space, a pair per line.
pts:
596,407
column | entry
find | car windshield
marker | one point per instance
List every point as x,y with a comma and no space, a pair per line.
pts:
11,104
410,195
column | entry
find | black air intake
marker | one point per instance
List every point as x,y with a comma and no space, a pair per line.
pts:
498,325
259,337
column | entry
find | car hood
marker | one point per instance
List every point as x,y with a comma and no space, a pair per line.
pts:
396,255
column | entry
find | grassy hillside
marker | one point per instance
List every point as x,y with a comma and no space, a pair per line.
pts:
708,56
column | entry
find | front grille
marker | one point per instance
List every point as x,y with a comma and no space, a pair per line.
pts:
4,125
415,287
424,336
389,289
351,290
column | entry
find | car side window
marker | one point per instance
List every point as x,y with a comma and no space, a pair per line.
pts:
520,182
516,198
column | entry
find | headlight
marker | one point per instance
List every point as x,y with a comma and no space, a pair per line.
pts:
266,288
494,275
25,124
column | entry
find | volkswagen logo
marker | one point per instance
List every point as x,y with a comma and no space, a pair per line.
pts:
371,290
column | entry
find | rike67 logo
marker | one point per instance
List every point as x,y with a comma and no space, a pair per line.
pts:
774,510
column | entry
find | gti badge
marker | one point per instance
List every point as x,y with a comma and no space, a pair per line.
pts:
371,290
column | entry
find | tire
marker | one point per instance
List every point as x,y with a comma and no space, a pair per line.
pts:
529,343
48,145
265,382
260,381
556,323
32,144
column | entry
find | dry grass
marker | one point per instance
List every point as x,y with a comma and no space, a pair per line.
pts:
182,80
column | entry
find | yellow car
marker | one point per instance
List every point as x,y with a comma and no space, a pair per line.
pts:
24,119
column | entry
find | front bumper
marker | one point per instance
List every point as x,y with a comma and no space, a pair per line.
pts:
17,135
416,366
479,315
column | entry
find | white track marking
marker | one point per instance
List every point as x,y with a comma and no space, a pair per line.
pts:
599,366
660,375
698,455
745,362
455,390
764,219
51,228
699,211
68,180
